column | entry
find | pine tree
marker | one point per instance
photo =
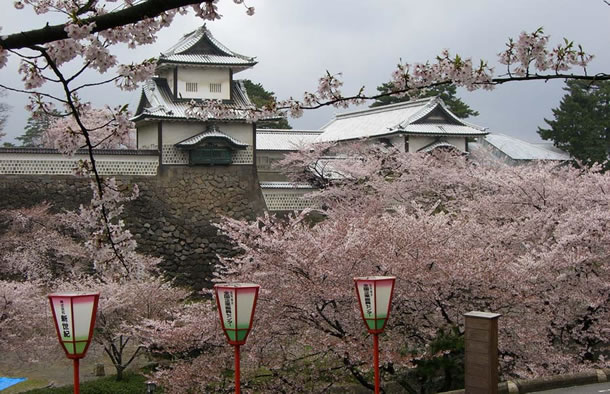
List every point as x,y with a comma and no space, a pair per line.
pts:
260,97
34,129
581,124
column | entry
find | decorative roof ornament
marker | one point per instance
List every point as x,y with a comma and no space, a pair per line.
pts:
200,48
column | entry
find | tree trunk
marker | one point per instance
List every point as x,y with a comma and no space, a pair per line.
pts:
119,372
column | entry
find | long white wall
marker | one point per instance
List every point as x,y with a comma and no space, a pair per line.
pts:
57,164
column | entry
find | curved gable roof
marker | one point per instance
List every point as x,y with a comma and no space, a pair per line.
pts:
201,48
210,135
402,118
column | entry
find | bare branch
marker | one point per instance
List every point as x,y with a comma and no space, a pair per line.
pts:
31,92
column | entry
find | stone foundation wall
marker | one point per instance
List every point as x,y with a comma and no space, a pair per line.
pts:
173,216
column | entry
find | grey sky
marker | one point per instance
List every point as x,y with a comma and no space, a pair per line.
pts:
296,41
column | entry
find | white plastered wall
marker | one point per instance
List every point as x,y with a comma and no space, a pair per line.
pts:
56,164
459,142
147,136
398,142
287,199
417,142
203,78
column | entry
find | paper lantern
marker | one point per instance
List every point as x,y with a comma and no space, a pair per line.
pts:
74,316
375,296
236,303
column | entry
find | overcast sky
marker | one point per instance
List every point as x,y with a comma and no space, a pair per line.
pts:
296,41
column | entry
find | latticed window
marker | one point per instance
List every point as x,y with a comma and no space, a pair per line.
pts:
215,87
211,156
191,86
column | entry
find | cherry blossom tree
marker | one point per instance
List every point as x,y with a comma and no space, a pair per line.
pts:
92,28
528,242
90,31
108,129
42,252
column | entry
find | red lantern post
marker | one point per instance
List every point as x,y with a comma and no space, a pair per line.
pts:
74,317
236,304
375,299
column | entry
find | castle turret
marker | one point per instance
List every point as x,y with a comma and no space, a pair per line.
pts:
198,67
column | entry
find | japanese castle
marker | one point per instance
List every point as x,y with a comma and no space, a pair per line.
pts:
200,68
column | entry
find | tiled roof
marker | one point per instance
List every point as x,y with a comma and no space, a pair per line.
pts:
158,101
440,129
284,140
206,59
201,48
518,149
402,118
285,185
211,133
126,152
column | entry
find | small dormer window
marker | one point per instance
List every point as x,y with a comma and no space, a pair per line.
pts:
191,86
215,88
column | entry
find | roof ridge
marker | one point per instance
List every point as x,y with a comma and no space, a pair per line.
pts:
222,47
190,39
384,108
289,131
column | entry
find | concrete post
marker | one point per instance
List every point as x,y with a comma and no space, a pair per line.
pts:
481,346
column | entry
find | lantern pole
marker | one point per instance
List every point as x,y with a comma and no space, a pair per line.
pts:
376,361
236,303
76,376
74,325
237,377
374,295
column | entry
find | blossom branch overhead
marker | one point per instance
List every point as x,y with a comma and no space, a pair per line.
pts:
527,58
91,29
96,17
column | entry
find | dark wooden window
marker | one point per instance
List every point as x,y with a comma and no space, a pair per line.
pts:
210,156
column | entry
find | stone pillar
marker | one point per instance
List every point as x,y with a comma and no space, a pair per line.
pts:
481,345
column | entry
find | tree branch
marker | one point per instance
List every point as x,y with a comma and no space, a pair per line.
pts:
33,92
494,81
98,179
134,14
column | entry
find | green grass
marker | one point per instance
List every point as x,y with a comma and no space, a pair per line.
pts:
131,384
25,385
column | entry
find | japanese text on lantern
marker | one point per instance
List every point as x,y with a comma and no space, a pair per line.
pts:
228,297
64,320
367,299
